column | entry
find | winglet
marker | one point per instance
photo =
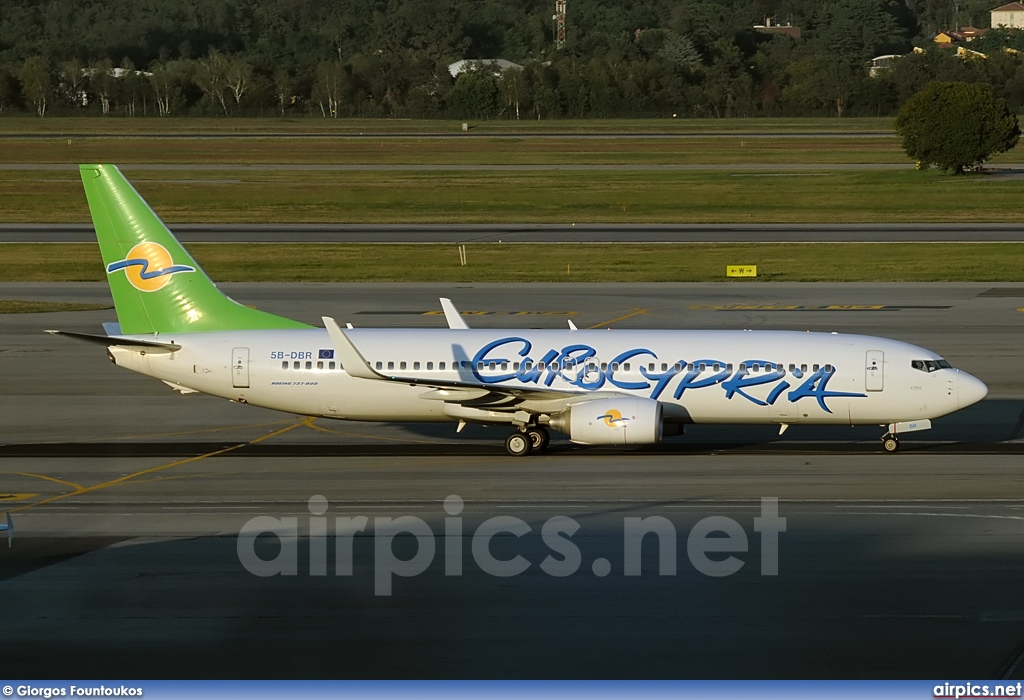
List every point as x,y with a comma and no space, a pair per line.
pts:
351,360
451,314
9,527
572,326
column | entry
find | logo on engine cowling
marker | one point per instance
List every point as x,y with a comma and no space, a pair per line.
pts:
614,419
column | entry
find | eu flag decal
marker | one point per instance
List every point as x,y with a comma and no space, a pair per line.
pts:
327,354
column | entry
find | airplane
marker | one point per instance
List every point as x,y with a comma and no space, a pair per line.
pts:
599,387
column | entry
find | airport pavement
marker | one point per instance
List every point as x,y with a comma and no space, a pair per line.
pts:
541,233
898,566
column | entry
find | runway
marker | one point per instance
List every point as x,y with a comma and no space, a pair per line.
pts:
541,233
891,566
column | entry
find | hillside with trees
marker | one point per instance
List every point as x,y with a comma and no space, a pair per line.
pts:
649,58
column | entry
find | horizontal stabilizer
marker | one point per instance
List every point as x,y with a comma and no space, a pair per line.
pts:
116,340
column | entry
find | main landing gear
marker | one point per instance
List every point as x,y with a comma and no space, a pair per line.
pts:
890,443
533,439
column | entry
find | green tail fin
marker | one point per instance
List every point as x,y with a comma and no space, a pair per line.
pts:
156,285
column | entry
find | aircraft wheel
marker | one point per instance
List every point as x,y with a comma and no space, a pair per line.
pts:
891,444
539,439
518,444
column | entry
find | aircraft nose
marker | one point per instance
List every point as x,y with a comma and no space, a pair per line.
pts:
970,390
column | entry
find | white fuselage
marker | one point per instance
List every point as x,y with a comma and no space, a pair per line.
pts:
698,376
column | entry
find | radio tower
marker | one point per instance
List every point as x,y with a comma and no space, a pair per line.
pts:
559,18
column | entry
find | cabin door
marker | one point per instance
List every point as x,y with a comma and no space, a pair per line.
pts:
240,368
874,370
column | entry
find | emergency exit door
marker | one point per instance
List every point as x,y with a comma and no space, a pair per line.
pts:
874,370
240,368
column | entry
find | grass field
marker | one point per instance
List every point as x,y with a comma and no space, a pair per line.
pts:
494,262
60,126
487,150
404,196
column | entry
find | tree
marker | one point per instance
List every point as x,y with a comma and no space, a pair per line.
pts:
36,83
328,88
73,78
955,125
8,88
212,77
239,78
283,89
167,80
102,80
514,88
129,86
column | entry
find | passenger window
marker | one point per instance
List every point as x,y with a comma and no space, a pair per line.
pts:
828,369
743,367
728,367
504,365
664,367
295,365
415,365
817,367
391,365
284,365
430,365
402,365
650,367
792,367
515,366
717,367
615,366
330,365
440,365
702,367
803,368
309,364
625,367
604,366
320,364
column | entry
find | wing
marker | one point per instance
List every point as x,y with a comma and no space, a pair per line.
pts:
470,394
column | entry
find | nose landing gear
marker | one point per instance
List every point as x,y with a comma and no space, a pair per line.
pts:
890,443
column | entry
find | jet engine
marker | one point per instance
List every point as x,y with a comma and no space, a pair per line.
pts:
625,421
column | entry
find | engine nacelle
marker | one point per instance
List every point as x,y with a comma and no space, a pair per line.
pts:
625,421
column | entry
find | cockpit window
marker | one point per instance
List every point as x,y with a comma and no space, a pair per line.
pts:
930,365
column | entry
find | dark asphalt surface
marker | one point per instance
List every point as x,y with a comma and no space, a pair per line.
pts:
890,566
540,233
